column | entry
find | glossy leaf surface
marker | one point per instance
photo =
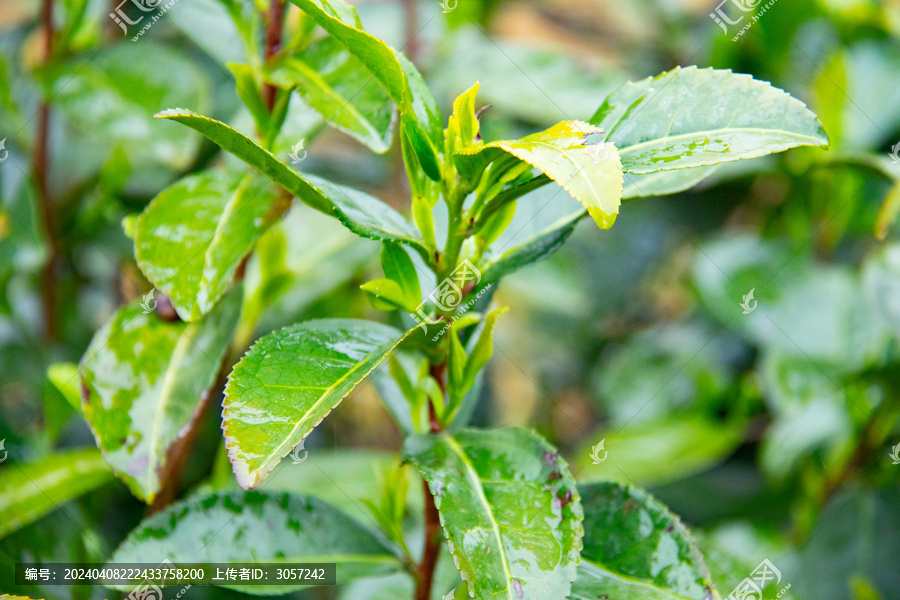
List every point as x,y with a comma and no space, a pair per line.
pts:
338,86
191,239
360,213
509,509
289,381
634,548
695,117
245,526
144,379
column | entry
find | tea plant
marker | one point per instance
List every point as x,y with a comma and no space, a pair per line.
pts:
503,503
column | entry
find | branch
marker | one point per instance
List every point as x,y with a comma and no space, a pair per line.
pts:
273,45
40,163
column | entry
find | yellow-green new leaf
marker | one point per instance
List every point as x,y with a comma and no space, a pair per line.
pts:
592,174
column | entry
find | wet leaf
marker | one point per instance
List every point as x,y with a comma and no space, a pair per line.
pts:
592,174
360,213
110,97
635,549
28,491
339,87
421,117
243,526
191,239
509,509
289,381
145,379
695,117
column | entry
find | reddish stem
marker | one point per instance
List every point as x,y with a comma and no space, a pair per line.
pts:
40,161
273,45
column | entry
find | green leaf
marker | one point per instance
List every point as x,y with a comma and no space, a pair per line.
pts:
250,94
110,96
399,267
695,117
146,378
384,294
663,183
226,528
191,239
421,117
660,452
29,491
463,126
509,508
635,549
289,381
360,213
534,249
64,377
337,85
591,174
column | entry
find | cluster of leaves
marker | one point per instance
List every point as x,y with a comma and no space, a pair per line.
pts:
516,522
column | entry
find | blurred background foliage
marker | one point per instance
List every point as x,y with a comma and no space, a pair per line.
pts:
768,432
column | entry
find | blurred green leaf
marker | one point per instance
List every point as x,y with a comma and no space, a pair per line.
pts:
666,122
338,86
64,377
214,528
289,381
509,508
635,549
191,239
655,453
112,96
146,378
28,491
